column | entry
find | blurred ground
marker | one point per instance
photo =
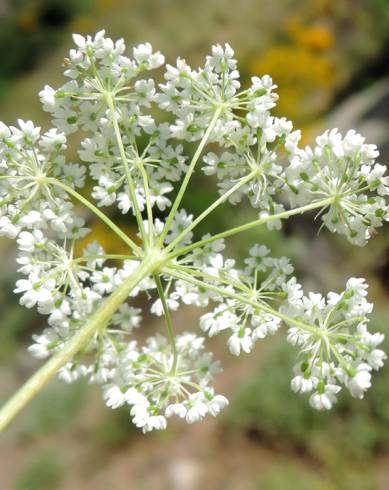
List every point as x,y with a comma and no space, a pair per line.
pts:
330,59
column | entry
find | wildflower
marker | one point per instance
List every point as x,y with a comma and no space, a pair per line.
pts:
139,166
343,169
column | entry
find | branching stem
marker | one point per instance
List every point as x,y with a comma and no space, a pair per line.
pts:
243,181
252,224
130,243
130,182
169,323
243,299
99,320
189,173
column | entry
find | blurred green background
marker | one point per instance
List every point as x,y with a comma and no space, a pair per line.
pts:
330,59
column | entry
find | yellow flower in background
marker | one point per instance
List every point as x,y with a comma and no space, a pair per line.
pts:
313,37
303,66
106,238
306,80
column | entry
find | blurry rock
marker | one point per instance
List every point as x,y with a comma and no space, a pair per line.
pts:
185,474
4,8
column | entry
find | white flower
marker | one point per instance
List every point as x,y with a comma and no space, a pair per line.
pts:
47,96
197,408
71,372
41,348
7,228
177,409
53,140
217,403
157,422
113,396
257,254
34,292
265,324
300,384
157,306
240,340
360,382
127,317
144,55
103,281
28,241
326,399
376,358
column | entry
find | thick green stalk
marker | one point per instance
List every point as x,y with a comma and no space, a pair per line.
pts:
98,321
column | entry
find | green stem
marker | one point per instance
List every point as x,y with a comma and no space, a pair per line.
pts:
169,324
130,182
188,174
86,258
243,299
98,321
211,208
252,224
97,212
229,281
150,218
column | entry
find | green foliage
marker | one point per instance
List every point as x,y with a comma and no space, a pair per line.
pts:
55,409
44,472
289,476
286,476
16,324
115,429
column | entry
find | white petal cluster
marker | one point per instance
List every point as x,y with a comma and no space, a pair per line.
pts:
336,347
343,168
69,291
28,160
98,70
251,143
142,378
246,319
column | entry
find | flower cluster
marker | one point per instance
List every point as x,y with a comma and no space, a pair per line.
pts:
344,169
247,318
142,165
27,200
336,346
69,290
99,72
144,379
97,67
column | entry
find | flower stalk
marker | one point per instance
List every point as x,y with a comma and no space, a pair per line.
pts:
95,324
